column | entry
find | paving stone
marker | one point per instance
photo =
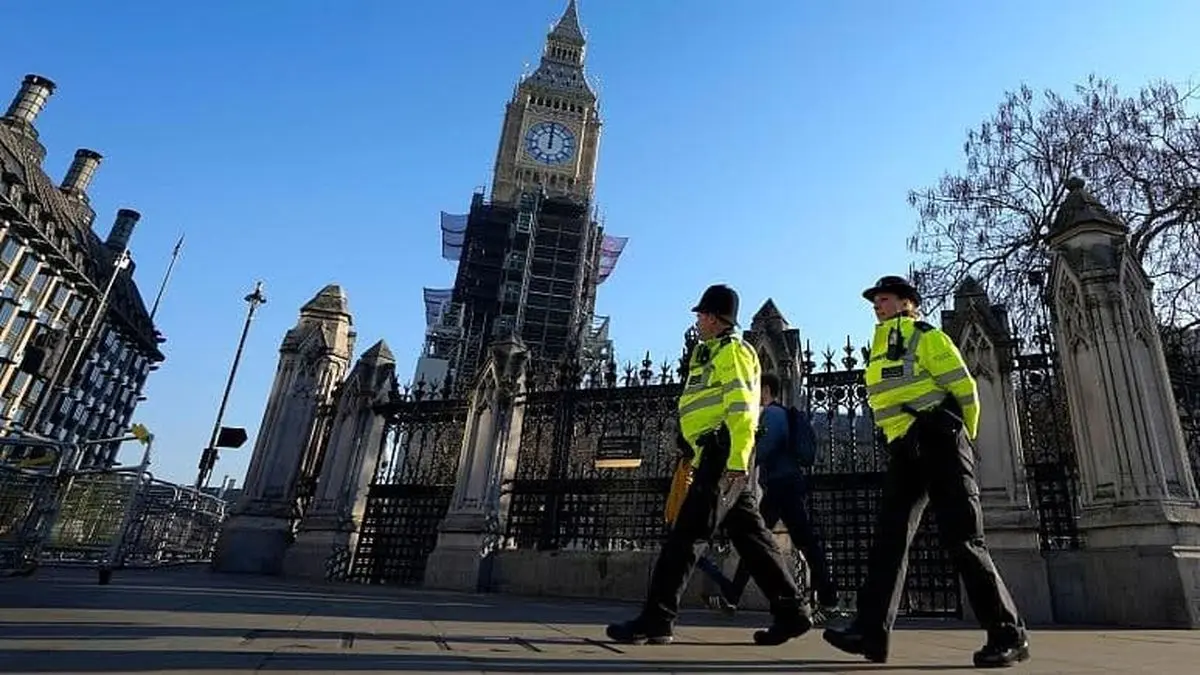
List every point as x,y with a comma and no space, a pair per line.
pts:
187,620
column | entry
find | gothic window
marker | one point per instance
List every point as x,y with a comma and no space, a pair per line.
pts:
24,271
16,330
40,281
15,385
8,253
35,391
7,309
74,308
58,299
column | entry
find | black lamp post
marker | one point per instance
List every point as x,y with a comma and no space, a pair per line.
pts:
231,437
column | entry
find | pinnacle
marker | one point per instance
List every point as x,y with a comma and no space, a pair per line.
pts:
568,28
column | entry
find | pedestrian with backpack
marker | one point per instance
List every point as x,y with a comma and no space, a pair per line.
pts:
785,444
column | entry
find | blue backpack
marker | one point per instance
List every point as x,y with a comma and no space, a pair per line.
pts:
802,437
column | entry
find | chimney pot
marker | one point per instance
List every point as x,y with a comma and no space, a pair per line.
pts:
122,229
30,99
80,173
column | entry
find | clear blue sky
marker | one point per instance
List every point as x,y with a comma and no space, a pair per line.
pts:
768,144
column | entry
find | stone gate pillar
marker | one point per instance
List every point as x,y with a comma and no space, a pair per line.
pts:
778,347
981,331
471,529
327,537
1140,514
313,360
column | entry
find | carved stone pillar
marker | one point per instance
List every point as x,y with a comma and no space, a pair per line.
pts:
778,347
1140,513
980,329
313,359
469,533
328,534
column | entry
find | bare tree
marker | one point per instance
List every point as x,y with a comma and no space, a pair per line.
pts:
1140,156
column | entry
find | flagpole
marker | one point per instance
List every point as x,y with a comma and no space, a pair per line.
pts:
166,277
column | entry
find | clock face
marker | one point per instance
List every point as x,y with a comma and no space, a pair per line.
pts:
550,143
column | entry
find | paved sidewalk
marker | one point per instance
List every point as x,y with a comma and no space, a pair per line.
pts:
191,621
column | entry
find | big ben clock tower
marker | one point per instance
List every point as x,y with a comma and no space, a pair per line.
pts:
531,257
551,129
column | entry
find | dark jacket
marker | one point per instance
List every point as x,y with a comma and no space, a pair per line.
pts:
774,458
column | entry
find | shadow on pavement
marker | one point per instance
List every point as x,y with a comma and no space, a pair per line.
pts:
96,661
120,630
195,589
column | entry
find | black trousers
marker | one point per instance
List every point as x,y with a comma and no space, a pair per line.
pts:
784,500
718,498
933,464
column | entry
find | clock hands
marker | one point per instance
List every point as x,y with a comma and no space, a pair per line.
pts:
549,142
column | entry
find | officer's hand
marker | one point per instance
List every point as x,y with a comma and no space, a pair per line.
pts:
723,440
939,421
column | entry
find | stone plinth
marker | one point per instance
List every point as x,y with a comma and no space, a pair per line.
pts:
1140,568
315,552
462,559
251,544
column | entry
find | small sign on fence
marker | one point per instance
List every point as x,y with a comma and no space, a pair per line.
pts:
619,452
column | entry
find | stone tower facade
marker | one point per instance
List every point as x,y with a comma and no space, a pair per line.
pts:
551,131
313,361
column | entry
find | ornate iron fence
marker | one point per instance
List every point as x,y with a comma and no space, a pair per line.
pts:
559,498
411,489
1182,350
1048,442
847,486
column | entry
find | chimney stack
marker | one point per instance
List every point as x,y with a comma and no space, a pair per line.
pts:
30,100
122,229
80,173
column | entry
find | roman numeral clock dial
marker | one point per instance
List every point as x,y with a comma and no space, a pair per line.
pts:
550,143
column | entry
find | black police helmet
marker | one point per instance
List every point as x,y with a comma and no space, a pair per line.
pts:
720,301
893,284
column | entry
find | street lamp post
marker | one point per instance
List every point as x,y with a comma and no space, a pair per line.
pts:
208,459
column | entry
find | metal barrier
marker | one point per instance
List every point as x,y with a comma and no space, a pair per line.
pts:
54,513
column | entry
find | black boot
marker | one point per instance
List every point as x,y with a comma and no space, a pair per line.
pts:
640,631
853,641
1003,655
783,628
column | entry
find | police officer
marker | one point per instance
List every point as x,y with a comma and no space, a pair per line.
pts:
783,489
924,402
718,416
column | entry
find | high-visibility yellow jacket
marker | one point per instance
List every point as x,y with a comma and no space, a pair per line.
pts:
930,368
722,387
